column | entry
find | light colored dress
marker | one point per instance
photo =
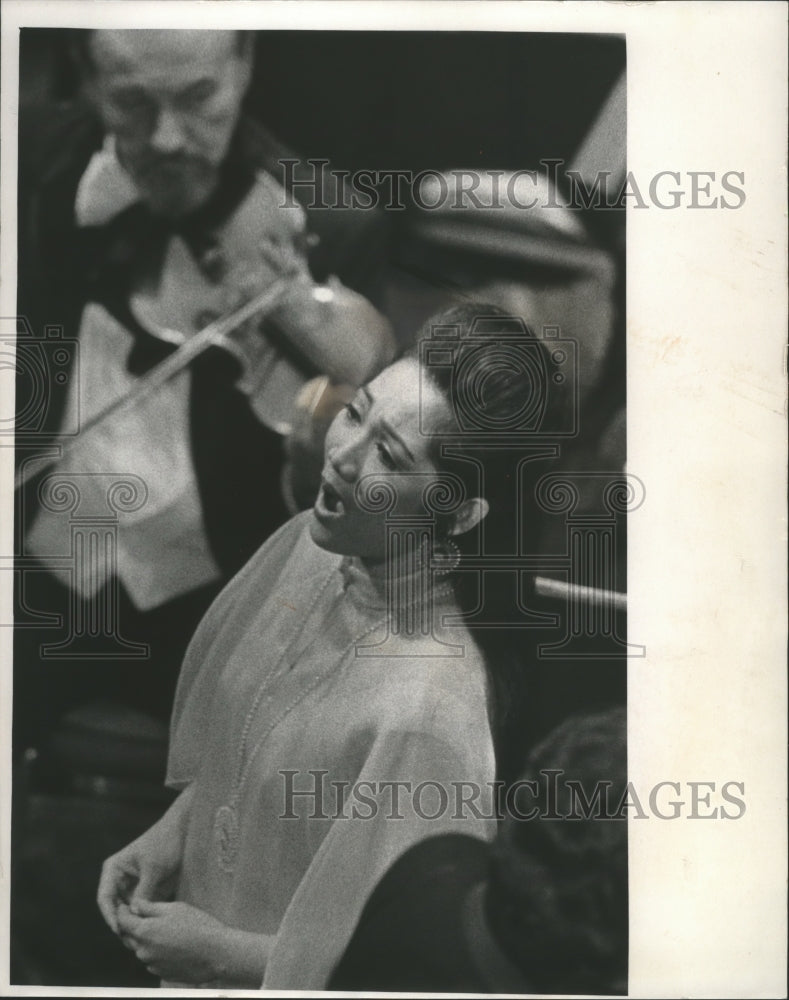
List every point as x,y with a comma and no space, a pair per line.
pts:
276,697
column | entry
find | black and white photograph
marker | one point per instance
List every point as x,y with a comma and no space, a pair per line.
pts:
379,612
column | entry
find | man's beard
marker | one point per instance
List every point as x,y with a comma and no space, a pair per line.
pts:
174,186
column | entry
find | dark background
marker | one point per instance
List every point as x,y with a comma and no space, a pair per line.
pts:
403,99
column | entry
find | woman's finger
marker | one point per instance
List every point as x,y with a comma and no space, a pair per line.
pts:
128,924
148,908
128,942
152,876
106,903
109,893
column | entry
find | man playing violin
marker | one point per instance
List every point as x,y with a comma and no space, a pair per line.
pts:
144,215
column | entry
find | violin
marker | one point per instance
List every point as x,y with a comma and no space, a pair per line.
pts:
254,298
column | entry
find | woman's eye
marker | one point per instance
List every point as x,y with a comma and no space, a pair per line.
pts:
386,456
353,414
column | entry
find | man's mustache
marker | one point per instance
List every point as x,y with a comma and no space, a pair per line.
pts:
172,163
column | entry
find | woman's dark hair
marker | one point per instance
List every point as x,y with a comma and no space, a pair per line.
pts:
495,374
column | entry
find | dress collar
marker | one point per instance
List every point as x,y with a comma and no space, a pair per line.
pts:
371,587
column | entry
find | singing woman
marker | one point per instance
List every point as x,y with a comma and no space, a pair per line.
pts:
314,702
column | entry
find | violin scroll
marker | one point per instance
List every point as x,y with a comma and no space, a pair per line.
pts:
316,406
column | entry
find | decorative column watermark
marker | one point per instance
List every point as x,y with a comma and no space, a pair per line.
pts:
591,558
414,566
92,502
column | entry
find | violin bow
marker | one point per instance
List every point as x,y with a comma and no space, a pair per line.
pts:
151,382
559,589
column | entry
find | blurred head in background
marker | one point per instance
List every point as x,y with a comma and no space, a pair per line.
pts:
557,900
171,100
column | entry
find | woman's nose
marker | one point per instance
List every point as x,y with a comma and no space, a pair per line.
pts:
346,457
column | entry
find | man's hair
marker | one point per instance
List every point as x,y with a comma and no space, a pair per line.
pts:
80,46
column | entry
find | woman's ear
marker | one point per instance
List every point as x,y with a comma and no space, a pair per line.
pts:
469,515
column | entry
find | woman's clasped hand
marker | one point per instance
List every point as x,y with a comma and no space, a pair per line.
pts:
147,868
183,944
174,941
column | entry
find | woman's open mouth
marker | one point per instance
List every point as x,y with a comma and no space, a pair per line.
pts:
329,503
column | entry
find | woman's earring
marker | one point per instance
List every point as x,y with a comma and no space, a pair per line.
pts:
446,557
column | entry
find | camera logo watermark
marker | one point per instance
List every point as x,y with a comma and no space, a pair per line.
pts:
77,514
498,345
